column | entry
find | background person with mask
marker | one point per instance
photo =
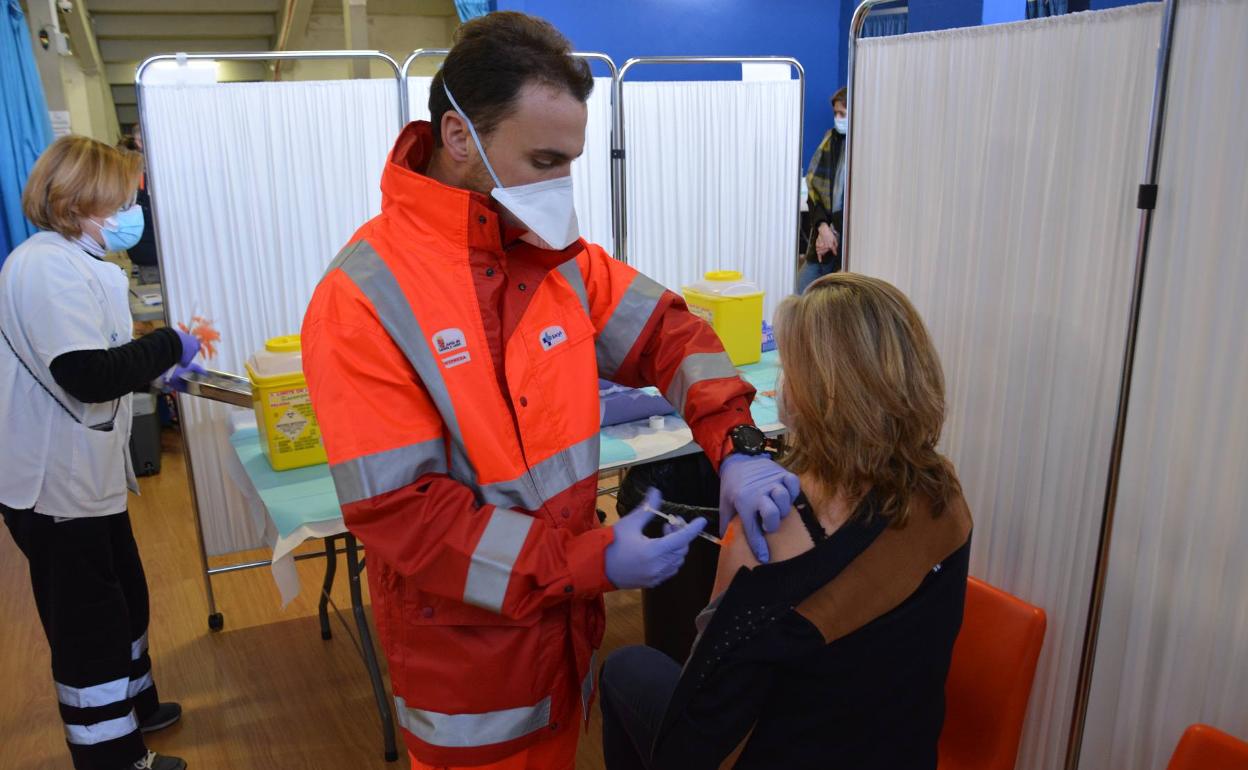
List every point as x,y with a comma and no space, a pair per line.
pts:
67,368
143,252
825,181
453,351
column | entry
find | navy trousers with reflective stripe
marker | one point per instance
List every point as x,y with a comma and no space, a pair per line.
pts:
91,594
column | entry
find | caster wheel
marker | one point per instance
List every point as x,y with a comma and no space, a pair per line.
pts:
216,621
326,635
392,756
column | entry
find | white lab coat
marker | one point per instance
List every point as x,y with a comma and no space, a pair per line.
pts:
55,299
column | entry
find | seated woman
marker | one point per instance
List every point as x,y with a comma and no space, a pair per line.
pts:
834,655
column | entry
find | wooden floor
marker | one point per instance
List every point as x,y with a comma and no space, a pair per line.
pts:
265,692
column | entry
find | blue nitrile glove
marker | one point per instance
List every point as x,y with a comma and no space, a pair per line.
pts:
190,347
177,378
636,561
760,492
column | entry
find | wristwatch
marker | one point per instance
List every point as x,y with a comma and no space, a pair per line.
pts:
748,440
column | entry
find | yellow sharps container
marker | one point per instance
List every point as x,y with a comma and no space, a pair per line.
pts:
289,433
733,307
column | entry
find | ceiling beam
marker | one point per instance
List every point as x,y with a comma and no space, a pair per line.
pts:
137,50
127,114
131,26
355,29
82,39
185,6
292,31
124,95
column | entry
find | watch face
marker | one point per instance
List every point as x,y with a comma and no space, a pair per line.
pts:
749,439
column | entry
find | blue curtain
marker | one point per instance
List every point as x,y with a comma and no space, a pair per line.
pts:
25,130
883,24
1038,9
471,9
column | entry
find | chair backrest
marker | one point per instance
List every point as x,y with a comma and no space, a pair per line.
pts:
1207,748
990,678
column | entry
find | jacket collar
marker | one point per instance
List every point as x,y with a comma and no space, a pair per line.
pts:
424,206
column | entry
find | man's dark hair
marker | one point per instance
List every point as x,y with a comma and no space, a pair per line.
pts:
839,96
496,55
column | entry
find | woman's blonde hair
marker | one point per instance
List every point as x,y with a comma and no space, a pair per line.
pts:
78,177
864,394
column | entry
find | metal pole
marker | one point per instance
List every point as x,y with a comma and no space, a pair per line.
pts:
617,155
273,56
622,246
619,183
1146,202
405,73
215,619
855,29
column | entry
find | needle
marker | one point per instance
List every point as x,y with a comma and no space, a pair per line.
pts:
676,521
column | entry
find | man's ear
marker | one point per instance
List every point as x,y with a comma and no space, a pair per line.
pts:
456,139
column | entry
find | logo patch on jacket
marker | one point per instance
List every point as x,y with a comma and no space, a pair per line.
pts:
552,336
452,347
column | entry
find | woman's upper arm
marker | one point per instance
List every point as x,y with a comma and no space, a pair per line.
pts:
786,542
733,555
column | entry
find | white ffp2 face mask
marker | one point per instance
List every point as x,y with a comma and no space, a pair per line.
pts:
545,208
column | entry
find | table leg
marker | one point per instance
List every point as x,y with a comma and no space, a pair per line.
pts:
331,567
354,568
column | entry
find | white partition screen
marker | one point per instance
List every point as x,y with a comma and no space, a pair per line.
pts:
1173,647
995,176
591,173
713,176
257,186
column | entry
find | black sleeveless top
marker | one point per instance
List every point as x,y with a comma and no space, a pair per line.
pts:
872,700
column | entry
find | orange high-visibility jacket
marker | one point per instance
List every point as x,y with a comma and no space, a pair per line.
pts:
454,371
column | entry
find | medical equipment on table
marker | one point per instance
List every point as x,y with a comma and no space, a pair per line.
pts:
676,521
219,386
620,404
290,433
733,306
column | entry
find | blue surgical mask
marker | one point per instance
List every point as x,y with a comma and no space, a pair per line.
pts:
842,125
123,229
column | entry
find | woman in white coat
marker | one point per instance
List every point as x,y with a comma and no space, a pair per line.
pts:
68,364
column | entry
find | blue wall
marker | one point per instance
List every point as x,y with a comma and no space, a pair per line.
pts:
808,30
927,15
813,31
1001,11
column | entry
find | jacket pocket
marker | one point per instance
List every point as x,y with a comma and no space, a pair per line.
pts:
455,658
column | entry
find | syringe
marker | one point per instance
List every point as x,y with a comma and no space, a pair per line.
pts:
676,521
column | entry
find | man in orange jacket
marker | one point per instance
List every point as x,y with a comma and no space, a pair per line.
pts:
453,351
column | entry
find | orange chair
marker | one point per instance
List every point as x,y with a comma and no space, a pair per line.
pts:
994,663
1207,748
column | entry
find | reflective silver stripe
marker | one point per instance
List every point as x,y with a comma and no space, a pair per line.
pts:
138,647
342,256
89,735
548,478
697,367
377,474
465,731
494,557
626,324
371,275
587,684
93,697
139,685
572,273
